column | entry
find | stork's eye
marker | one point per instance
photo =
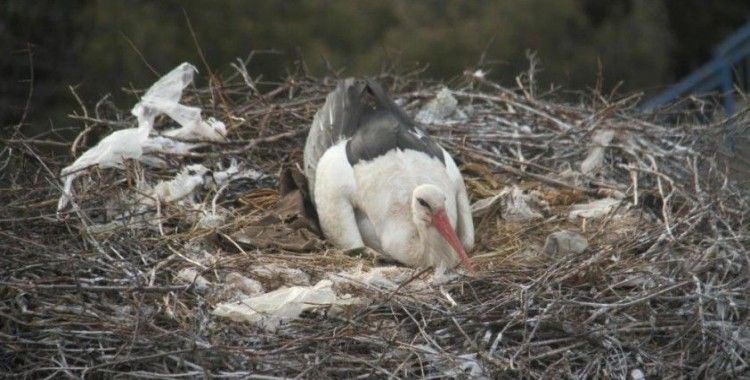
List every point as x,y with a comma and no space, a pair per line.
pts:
423,203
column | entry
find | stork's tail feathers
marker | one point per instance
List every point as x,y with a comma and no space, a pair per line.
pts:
333,122
384,101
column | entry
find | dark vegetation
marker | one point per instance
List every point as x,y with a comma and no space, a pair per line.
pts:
98,47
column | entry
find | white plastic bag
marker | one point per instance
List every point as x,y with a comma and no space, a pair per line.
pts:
270,309
161,98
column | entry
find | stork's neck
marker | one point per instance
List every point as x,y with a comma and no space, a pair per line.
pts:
423,243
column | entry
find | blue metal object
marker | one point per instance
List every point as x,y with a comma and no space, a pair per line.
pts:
715,76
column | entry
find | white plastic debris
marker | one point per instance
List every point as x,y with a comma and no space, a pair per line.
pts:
565,242
247,286
483,206
516,205
466,365
271,309
288,275
637,374
595,209
386,278
442,109
234,171
191,178
191,276
594,160
211,221
181,186
522,207
210,130
109,153
132,143
442,276
479,74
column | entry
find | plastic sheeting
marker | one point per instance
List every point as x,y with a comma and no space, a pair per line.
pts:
272,309
443,109
132,143
516,205
191,276
181,186
594,209
565,242
463,366
269,310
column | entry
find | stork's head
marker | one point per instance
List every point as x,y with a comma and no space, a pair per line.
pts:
428,211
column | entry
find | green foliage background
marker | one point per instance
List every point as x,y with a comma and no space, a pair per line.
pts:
94,45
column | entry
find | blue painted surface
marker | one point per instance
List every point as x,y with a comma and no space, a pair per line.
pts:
716,76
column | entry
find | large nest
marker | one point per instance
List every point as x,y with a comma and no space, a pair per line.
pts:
122,283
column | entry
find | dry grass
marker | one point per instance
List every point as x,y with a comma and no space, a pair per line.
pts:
662,288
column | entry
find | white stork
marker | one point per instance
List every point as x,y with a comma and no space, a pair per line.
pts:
379,181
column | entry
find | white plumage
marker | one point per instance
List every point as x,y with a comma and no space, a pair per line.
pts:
380,182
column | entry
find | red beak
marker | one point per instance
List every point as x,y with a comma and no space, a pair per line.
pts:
443,225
